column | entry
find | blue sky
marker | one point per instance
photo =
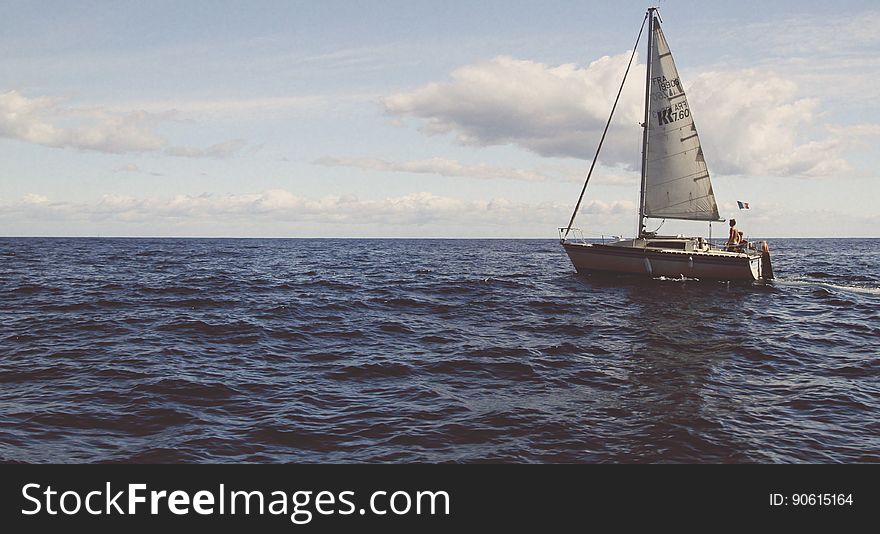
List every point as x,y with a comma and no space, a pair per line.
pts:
422,119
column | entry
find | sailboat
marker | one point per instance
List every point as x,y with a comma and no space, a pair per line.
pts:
675,184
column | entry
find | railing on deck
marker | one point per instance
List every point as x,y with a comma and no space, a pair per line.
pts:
576,235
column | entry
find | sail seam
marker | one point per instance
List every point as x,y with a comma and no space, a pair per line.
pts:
671,155
685,151
698,176
688,201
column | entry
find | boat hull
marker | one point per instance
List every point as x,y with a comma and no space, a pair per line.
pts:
710,265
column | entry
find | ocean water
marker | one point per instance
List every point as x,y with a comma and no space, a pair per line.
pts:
333,350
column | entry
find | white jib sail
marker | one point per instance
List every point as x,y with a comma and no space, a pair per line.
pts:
677,184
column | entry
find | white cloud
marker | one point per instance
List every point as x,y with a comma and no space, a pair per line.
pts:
866,129
553,111
36,120
617,207
452,168
620,178
793,220
34,199
441,166
218,151
419,214
805,34
751,122
46,121
754,117
242,108
251,108
855,131
131,167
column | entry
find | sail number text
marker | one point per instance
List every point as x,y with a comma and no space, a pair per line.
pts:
673,113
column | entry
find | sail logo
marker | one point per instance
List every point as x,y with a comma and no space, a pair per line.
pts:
665,116
668,115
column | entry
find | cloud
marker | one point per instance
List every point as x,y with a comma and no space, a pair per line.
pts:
756,116
482,171
244,108
35,120
855,131
756,122
805,34
441,166
831,56
553,111
793,220
131,167
46,121
218,151
419,214
34,199
866,129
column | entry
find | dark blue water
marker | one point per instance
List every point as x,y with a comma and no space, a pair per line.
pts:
203,350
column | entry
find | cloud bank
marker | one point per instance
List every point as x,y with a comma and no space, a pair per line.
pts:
420,214
279,205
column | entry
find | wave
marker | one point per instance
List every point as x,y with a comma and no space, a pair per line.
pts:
395,328
371,370
30,289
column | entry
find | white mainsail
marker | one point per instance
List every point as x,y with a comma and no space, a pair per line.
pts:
677,184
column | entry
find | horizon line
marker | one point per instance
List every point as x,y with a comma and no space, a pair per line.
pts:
368,237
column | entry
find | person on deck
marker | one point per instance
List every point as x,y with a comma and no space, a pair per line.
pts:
735,237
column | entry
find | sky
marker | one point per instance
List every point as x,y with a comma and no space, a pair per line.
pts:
424,119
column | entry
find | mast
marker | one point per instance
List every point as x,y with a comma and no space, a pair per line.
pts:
649,58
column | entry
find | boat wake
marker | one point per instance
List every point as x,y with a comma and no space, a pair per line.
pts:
849,288
676,279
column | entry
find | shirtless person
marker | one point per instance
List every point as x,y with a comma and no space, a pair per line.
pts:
735,238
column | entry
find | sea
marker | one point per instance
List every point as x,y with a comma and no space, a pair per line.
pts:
429,350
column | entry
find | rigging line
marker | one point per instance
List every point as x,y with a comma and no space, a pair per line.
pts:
607,124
